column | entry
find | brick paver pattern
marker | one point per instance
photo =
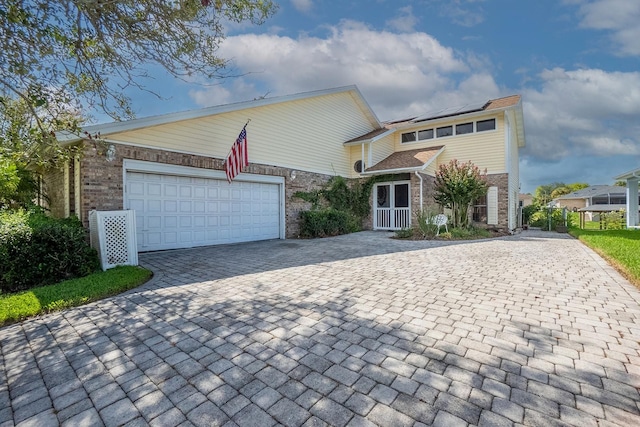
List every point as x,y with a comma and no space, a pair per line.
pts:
358,330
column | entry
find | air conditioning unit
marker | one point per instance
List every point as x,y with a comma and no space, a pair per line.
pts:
113,235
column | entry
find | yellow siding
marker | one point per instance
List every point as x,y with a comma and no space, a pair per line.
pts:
484,149
381,149
355,154
305,134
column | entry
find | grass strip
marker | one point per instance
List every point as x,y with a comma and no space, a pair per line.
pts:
621,248
70,293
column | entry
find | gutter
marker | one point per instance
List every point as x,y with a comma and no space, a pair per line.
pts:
421,181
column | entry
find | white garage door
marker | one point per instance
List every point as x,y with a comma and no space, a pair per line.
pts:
182,211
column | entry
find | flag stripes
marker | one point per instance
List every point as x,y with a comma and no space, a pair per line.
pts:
238,158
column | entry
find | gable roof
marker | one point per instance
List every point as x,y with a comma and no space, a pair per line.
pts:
406,161
107,129
594,190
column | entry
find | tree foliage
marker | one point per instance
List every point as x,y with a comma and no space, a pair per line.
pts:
93,50
457,185
544,194
62,58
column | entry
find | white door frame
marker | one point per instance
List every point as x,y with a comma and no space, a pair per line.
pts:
391,218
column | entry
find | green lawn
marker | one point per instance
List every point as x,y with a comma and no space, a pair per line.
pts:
70,293
620,247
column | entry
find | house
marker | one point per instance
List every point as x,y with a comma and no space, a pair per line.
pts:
169,168
632,178
525,200
593,199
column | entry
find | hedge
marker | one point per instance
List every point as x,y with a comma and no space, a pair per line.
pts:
327,222
37,250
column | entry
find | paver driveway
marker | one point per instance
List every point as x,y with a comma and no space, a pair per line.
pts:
533,329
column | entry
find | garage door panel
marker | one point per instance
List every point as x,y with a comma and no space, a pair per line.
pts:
170,190
154,205
170,221
181,211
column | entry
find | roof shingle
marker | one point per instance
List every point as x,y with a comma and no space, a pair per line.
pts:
406,159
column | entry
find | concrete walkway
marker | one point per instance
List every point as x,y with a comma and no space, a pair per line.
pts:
357,330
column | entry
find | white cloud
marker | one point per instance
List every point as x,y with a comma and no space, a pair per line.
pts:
399,74
405,22
302,5
466,13
620,17
587,112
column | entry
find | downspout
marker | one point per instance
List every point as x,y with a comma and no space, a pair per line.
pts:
421,181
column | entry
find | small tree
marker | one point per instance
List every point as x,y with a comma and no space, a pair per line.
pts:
457,186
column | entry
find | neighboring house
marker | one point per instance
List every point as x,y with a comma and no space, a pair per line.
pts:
592,195
169,168
525,200
593,199
633,201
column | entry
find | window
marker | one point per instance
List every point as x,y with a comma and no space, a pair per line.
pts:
425,134
464,128
401,195
408,137
483,125
480,210
618,199
444,131
600,200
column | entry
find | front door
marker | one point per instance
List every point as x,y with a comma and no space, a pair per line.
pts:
391,206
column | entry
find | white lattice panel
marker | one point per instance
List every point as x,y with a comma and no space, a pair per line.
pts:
113,235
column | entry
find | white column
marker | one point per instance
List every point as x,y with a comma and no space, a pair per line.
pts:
632,202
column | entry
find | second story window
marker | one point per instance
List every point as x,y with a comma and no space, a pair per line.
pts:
444,131
484,125
464,128
425,134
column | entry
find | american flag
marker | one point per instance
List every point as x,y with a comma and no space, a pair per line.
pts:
238,158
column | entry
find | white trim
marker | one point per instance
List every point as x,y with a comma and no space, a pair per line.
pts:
492,206
631,174
370,140
507,159
167,169
76,187
67,189
392,203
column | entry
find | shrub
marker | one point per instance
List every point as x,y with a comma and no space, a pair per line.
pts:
405,233
469,233
456,186
425,225
327,222
541,219
613,220
37,250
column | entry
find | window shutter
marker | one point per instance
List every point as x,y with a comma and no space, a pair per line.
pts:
492,206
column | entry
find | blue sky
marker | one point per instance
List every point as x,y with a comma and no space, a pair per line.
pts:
575,62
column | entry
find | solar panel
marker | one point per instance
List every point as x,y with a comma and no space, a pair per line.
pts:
451,111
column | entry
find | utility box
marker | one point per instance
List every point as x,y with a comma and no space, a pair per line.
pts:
113,235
